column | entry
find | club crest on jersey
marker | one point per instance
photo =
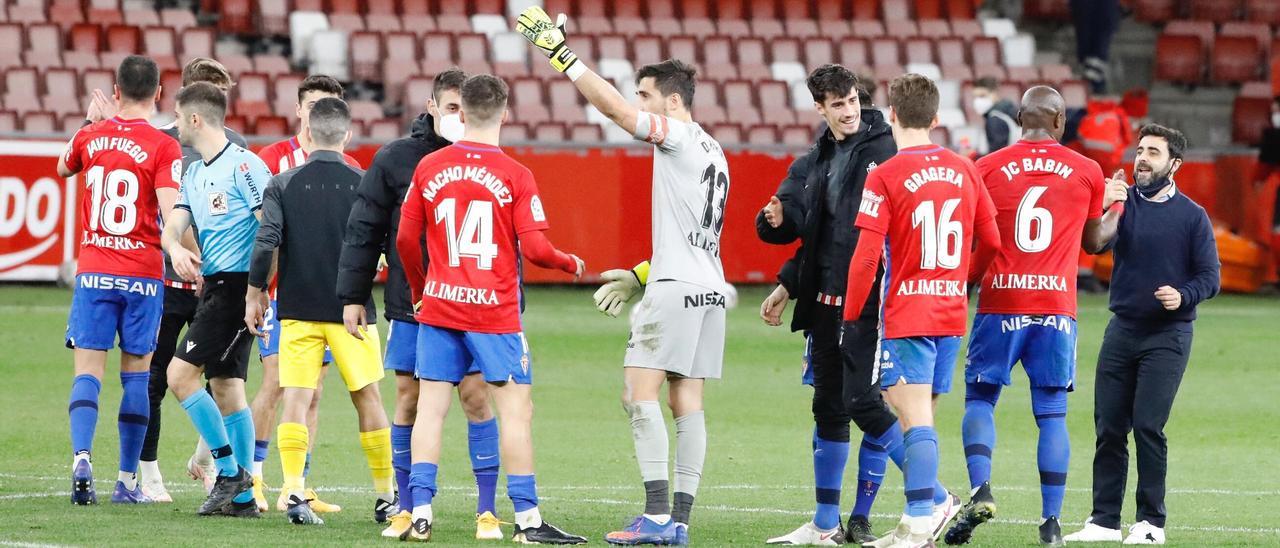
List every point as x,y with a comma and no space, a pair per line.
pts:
871,166
870,203
218,203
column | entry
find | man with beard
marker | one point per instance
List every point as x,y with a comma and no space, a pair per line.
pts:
1166,262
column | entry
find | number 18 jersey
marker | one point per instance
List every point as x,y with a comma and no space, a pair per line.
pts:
474,202
1043,193
122,163
690,190
926,201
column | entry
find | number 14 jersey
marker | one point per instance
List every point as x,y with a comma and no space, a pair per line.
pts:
1043,193
690,190
474,202
122,163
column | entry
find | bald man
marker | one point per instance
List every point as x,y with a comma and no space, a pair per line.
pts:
1049,201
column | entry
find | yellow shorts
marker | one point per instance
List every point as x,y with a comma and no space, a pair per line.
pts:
302,352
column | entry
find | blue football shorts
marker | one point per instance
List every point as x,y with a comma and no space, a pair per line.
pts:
448,355
918,360
1045,344
104,306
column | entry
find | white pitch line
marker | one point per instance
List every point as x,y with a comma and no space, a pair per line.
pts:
30,544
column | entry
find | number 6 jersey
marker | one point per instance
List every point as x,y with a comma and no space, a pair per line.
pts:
690,190
122,163
927,201
474,202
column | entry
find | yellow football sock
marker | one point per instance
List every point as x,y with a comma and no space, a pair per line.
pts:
292,438
377,450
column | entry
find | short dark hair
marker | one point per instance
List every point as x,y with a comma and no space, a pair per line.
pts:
831,81
1176,141
914,99
484,98
329,122
987,82
206,100
451,79
671,76
322,83
138,77
203,69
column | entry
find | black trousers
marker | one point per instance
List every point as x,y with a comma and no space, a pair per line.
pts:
179,310
843,385
1139,370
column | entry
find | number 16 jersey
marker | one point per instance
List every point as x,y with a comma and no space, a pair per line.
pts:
122,163
474,202
690,190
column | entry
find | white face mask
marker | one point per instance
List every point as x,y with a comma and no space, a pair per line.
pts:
982,104
1275,119
451,127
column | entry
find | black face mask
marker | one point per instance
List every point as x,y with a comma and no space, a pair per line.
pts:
1155,188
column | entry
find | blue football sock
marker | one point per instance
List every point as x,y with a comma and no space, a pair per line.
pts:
208,422
1053,453
978,429
422,480
83,411
829,458
523,492
872,461
920,469
892,441
260,449
306,466
482,443
135,413
239,427
402,462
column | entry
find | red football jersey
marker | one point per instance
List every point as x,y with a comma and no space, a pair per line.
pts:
475,202
281,157
925,200
123,162
1043,193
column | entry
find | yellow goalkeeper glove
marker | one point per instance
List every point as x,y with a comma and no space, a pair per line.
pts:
546,35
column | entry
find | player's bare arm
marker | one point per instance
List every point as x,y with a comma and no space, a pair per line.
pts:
186,263
549,37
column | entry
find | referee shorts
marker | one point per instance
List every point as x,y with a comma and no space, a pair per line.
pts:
302,351
217,338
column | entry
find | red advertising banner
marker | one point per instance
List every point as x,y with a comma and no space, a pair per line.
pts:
37,211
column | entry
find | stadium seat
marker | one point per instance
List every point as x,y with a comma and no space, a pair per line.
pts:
984,52
867,29
420,25
1203,30
237,123
739,99
236,63
801,28
586,133
104,12
39,122
774,104
592,24
329,54
251,96
510,54
785,50
767,29
646,50
366,56
489,24
1074,93
415,7
344,6
958,72
788,72
8,121
934,29
717,59
731,10
568,114
853,53
400,59
416,91
927,9
1054,73
698,27
347,22
1235,59
948,93
141,17
532,114
302,25
708,115
706,95
271,64
833,29
1263,11
383,130
918,50
284,94
382,23
762,135
884,52
800,96
1018,50
797,135
527,91
438,47
727,134
612,46
966,28
21,90
1024,76
928,70
751,59
158,42
10,45
1181,59
123,39
1260,32
62,92
1249,116
179,19
365,111
235,17
197,42
895,10
86,37
562,92
818,52
684,48
665,27
170,83
998,28
515,133
1218,11
64,13
899,28
733,28
273,126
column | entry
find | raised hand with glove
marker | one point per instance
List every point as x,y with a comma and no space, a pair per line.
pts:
549,38
620,287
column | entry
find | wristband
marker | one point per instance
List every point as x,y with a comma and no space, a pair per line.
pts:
642,272
576,70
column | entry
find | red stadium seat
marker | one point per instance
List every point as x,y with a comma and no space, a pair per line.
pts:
1236,59
86,37
348,22
344,6
934,29
1055,73
918,50
21,90
527,91
867,29
884,52
10,45
1218,11
818,52
271,65
104,12
472,49
488,6
64,13
401,51
170,83
802,28
586,133
381,7
158,42
684,48
966,28
710,114
39,122
1024,76
951,52
699,27
236,63
382,23
621,8
384,130
751,59
928,9
568,114
415,7
365,53
665,27
765,135
899,28
1181,59
1260,32
775,103
646,50
365,111
235,17
696,9
940,135
62,92
707,95
8,121
612,47
895,10
197,42
562,92
1263,11
731,9
831,9
532,114
284,93
767,29
438,47
985,52
739,99
252,100
237,123
630,26
177,19
515,132
717,58
122,39
785,50
273,17
853,53
960,72
834,29
1074,93
416,91
1203,30
1249,116
797,135
68,124
734,28
420,25
866,9
727,134
274,126
960,9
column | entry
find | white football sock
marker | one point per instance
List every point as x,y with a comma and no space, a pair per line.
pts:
529,519
422,511
130,480
257,469
660,519
149,471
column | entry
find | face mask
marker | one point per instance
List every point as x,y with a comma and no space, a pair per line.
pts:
982,104
1153,186
1275,119
452,128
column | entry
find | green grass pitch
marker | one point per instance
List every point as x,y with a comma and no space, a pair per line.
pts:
1224,443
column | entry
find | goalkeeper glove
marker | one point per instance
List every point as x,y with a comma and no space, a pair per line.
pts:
547,36
621,287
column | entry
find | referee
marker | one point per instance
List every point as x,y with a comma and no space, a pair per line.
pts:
1166,262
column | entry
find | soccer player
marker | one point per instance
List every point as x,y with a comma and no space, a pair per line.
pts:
1049,200
475,205
920,211
180,302
677,330
281,157
221,196
305,213
131,180
373,224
